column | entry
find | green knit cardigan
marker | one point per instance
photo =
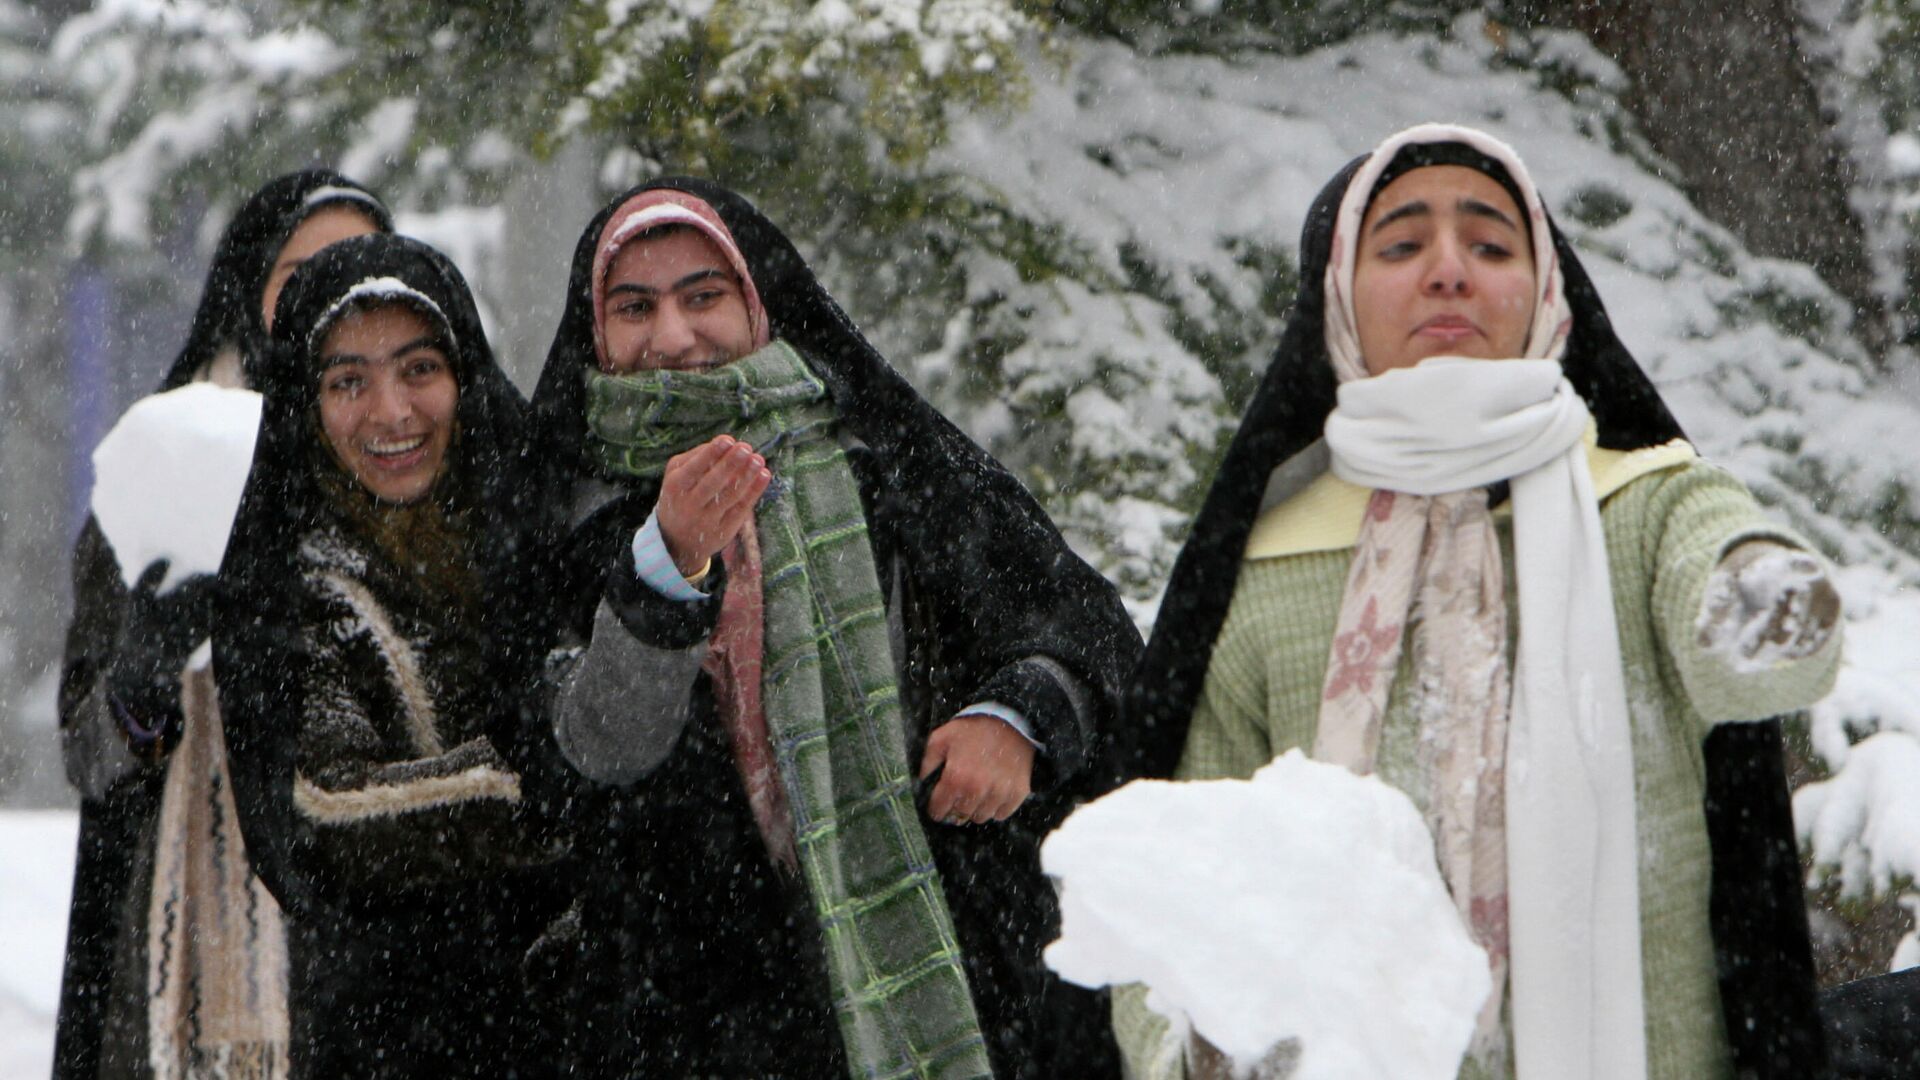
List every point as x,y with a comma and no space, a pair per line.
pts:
1666,531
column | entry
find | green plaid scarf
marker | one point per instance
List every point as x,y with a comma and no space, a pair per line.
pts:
832,703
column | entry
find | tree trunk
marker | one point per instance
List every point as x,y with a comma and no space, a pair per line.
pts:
1723,91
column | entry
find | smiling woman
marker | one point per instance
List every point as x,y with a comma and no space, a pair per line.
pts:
177,956
362,585
387,400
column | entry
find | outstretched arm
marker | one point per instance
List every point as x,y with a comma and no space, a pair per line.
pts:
1747,613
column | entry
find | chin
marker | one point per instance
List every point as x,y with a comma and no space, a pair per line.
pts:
401,497
403,490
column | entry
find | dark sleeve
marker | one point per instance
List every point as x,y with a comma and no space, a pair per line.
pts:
1053,700
651,617
93,745
377,811
1005,610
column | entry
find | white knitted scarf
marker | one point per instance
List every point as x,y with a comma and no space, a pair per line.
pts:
1538,841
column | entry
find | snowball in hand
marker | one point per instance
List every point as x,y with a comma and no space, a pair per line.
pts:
168,477
1304,904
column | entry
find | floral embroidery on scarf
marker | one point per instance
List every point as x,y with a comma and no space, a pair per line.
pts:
1380,506
1358,653
1489,921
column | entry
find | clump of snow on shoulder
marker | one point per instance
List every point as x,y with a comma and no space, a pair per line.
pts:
1303,904
168,478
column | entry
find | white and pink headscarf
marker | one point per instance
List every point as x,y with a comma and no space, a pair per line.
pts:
1531,782
658,208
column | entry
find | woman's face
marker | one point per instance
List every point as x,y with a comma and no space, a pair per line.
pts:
387,400
673,302
327,225
1444,269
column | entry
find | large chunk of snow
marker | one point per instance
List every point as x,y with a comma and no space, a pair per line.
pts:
1303,903
168,477
1866,819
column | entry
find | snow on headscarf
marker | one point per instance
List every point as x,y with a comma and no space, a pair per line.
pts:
257,631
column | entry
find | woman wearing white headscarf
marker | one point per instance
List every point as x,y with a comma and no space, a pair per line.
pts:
1461,544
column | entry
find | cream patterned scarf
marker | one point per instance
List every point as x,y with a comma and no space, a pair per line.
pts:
216,944
1531,798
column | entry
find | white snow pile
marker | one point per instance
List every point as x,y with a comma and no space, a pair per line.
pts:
168,477
1865,821
1303,904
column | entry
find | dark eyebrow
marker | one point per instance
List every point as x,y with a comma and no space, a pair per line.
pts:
1486,210
1407,210
1474,207
424,341
691,279
700,275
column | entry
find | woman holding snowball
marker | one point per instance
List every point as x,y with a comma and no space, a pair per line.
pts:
175,954
1460,543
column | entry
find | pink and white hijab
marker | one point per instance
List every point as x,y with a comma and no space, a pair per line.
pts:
1531,773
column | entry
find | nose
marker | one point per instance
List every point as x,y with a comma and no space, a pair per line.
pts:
673,335
392,404
1446,273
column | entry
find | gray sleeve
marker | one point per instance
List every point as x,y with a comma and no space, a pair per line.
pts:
620,706
94,748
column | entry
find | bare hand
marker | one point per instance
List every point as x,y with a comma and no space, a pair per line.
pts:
989,770
706,496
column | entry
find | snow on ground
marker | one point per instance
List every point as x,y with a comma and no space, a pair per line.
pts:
36,852
1301,904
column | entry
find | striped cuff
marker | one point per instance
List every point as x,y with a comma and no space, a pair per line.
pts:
1005,715
654,565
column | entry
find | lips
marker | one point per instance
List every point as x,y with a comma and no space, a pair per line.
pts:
395,453
1447,327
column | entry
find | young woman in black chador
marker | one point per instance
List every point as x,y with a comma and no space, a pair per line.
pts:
175,956
769,894
355,655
